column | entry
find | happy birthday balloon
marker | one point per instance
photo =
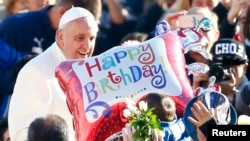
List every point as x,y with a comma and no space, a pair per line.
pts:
97,87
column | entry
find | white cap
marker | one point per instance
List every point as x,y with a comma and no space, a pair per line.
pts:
73,14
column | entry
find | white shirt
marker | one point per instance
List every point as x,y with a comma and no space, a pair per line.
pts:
37,93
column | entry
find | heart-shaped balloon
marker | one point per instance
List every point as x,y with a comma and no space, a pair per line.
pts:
97,87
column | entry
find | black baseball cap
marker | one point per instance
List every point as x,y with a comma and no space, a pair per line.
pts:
228,50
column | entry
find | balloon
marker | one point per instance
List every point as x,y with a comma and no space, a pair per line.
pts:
97,87
161,28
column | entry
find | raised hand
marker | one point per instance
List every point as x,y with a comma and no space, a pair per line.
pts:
201,113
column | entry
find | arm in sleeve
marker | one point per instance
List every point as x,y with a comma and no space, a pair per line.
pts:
31,99
8,58
8,30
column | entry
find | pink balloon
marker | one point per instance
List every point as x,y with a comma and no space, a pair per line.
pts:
176,58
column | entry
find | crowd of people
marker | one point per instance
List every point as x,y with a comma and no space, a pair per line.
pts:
36,37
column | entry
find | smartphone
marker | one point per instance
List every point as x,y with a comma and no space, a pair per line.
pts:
186,21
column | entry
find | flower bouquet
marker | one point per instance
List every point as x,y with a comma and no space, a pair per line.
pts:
143,120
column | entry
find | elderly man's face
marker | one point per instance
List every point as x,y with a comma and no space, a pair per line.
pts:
77,39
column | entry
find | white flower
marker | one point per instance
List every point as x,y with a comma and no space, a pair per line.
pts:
143,106
127,113
130,102
134,110
131,106
141,120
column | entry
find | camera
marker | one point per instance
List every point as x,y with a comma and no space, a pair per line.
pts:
218,70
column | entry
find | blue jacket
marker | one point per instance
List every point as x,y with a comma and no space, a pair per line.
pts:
29,32
8,58
175,130
20,35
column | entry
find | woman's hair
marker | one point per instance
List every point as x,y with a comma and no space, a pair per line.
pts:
9,6
182,5
164,106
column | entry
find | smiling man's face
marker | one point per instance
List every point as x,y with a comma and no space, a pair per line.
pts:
77,39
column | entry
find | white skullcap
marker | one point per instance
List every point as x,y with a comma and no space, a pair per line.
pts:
73,14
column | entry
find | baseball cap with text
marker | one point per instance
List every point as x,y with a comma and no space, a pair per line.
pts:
229,50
